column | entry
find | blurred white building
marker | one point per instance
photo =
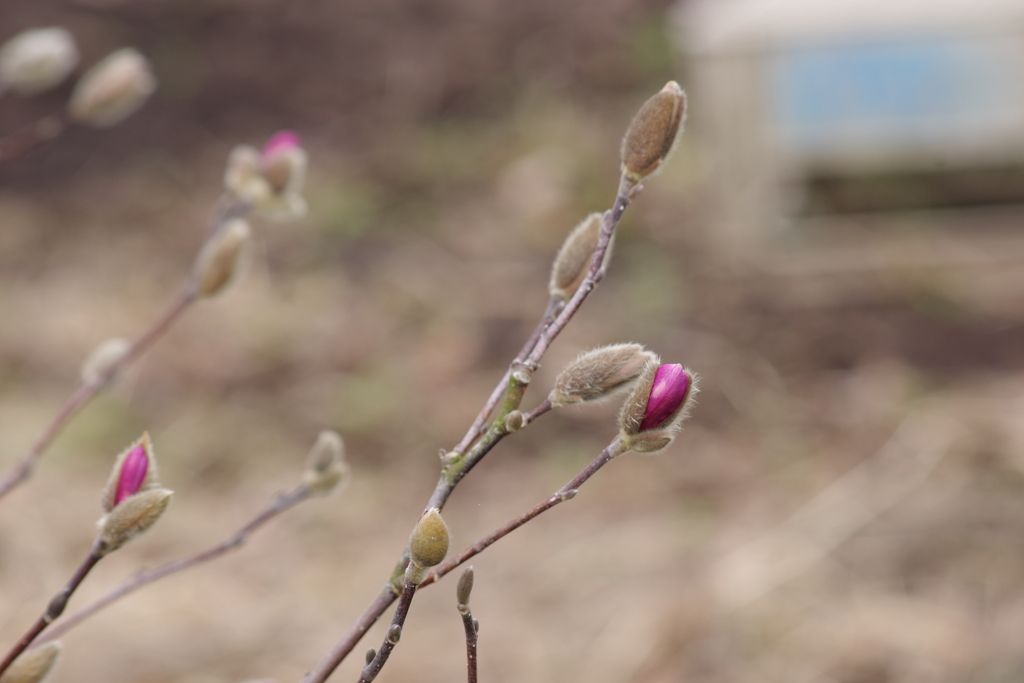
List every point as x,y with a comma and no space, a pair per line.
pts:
811,107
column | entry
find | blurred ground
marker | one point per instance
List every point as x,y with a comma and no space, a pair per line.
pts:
844,505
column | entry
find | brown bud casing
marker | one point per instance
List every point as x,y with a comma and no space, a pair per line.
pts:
428,544
33,666
325,464
600,373
652,135
573,259
224,256
132,517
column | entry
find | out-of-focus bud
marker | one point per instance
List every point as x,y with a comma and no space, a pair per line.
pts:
325,464
113,89
370,654
33,666
394,634
132,517
514,421
271,179
428,545
134,471
573,259
463,590
652,135
103,360
599,373
659,403
37,60
223,258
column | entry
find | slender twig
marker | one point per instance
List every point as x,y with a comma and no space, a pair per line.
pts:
87,390
22,142
56,606
458,463
282,502
560,496
469,626
373,668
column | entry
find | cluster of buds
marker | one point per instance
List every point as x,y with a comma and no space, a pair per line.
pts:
37,60
133,500
656,408
428,545
270,180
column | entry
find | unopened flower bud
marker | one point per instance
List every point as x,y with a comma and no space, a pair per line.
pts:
464,588
283,162
653,412
428,544
132,517
370,654
37,60
113,89
223,258
394,634
33,666
270,180
653,133
134,471
573,259
599,373
325,464
100,366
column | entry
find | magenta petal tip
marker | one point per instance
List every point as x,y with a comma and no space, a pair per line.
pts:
280,141
133,473
669,391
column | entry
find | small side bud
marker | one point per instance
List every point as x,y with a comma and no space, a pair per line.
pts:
573,259
99,367
428,544
325,464
112,90
370,654
652,414
33,666
394,634
223,258
464,588
476,625
37,60
134,471
132,517
514,421
652,135
599,373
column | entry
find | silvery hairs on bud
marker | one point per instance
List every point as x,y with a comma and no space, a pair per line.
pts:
37,60
600,373
223,258
573,259
103,358
113,89
325,464
132,517
653,133
33,666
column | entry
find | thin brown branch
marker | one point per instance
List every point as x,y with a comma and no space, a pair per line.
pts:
373,668
470,627
87,390
56,606
284,501
22,142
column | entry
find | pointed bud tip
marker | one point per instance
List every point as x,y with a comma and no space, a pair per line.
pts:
465,586
653,133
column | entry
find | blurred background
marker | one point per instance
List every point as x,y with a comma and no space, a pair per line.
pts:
835,247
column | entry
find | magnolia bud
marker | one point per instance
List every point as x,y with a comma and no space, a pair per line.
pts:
103,360
325,464
463,589
270,179
370,654
599,373
132,517
394,634
223,258
659,402
653,133
428,544
514,421
113,89
35,61
134,471
283,162
573,259
33,666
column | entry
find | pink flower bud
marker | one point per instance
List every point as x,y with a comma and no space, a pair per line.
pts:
133,473
281,141
669,391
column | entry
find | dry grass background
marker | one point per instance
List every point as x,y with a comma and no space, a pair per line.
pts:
844,506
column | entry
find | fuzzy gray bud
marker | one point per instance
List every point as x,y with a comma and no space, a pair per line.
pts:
33,666
132,517
599,373
101,365
464,588
325,464
113,89
222,259
573,259
37,60
428,544
653,133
